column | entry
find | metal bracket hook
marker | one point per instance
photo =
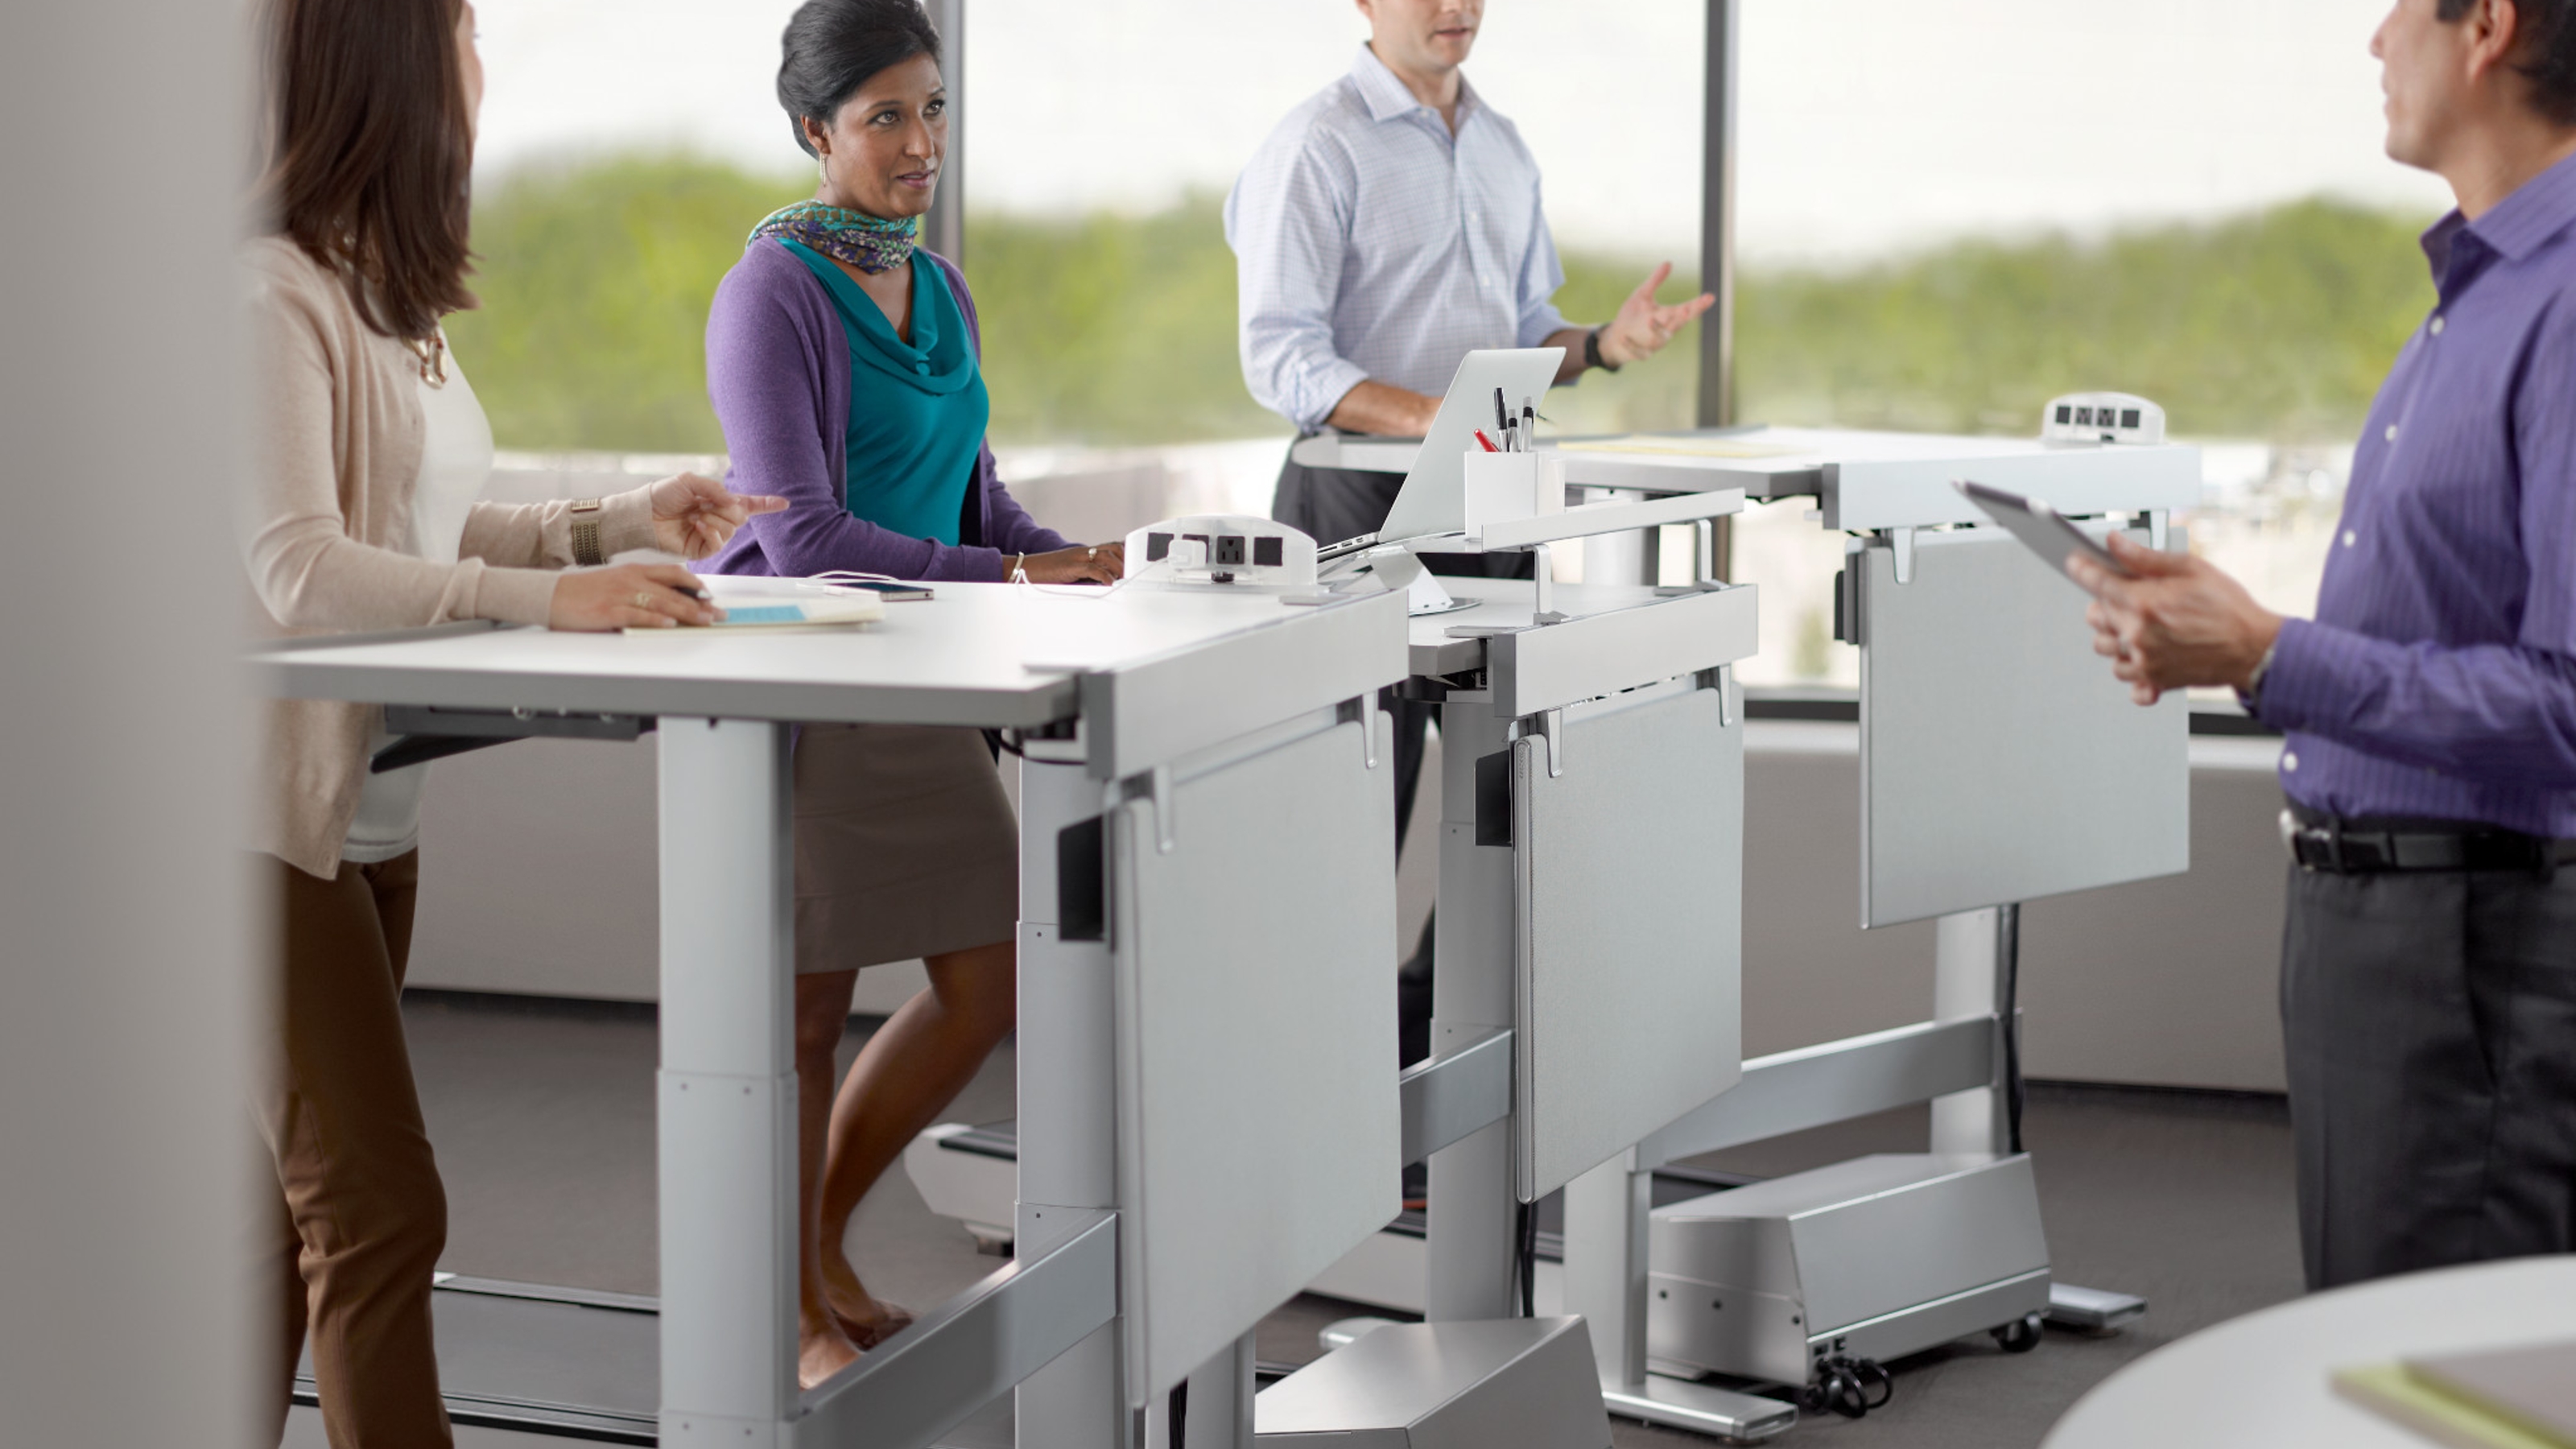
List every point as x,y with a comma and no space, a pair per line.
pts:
1154,785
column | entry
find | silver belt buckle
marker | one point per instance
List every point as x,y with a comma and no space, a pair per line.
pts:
2290,837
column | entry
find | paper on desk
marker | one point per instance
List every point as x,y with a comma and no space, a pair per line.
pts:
2394,1393
774,615
1687,447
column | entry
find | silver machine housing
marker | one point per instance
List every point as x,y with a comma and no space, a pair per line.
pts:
1873,1258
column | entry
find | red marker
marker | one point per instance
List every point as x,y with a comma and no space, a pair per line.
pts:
1488,442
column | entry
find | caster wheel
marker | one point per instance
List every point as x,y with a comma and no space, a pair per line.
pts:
2019,1336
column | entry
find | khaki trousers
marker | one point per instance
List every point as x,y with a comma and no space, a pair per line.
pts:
360,1217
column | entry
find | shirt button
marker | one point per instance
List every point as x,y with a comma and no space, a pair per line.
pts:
2392,432
2290,763
2350,538
2437,326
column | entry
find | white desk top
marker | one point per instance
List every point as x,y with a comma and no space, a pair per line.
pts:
2262,1380
1866,480
1504,604
992,655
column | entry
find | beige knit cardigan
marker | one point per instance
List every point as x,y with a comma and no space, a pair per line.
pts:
336,444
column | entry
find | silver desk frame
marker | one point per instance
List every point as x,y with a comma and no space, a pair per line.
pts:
1512,685
1178,680
1889,488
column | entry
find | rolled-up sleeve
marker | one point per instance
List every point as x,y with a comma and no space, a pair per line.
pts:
1288,220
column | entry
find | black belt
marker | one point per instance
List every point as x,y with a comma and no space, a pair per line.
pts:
2368,847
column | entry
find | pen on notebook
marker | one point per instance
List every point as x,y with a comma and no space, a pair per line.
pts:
1486,442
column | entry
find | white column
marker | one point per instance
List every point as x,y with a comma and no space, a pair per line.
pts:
1632,557
1964,980
1472,1213
1068,1112
1606,1218
727,1085
135,979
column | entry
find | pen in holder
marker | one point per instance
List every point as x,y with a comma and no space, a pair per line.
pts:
1503,487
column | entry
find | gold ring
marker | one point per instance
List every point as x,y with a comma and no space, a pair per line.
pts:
642,599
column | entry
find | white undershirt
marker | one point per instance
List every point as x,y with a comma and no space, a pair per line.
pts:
455,464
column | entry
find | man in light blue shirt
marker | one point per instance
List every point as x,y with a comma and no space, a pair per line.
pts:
1388,227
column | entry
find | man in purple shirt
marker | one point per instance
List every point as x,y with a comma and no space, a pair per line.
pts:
2428,980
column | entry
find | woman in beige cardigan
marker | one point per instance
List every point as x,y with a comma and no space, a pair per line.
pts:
371,450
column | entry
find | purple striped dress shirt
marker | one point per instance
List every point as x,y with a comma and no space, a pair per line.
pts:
2438,678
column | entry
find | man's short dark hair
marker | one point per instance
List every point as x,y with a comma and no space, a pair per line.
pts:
2548,51
833,47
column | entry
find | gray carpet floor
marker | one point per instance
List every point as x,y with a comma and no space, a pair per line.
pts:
542,1114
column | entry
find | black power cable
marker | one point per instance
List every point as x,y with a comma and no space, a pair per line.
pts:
1842,1386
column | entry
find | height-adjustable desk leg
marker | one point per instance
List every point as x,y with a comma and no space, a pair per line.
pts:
1068,1112
1967,982
727,1089
1473,1213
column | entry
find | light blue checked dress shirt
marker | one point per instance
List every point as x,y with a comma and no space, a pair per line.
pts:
1370,244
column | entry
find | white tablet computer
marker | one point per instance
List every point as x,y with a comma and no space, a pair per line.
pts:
1433,500
2042,529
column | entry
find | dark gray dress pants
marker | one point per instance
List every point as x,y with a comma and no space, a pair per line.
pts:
2430,1021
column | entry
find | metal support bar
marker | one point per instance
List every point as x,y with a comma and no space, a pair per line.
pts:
944,230
970,1350
726,1135
1543,570
1621,513
1447,1098
1832,1082
1968,985
1717,219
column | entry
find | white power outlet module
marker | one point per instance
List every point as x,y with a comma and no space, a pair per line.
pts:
1222,548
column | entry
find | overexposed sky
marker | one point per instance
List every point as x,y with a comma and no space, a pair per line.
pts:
1865,126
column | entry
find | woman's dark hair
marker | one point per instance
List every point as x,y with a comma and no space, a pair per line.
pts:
2548,51
369,153
833,47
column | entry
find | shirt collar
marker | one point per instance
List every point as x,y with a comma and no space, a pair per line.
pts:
2538,210
1387,96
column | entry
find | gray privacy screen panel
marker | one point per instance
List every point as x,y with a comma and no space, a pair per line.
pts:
1629,883
2000,761
1256,1042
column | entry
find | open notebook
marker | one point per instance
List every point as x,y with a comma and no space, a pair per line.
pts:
2521,1398
773,614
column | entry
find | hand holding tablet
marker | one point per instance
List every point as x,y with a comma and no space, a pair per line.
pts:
2044,530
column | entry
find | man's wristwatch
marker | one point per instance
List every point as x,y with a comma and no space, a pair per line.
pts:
2250,698
585,533
1592,352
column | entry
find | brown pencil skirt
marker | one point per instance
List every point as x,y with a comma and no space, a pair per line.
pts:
905,845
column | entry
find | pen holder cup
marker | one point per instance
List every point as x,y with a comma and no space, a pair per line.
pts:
1504,487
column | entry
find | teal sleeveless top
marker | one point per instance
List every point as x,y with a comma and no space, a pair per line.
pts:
918,409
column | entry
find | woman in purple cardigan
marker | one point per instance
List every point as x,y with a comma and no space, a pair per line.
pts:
843,362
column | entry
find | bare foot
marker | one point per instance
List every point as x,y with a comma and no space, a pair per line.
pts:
867,1320
822,1352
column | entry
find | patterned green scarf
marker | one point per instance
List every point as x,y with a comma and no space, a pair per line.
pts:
872,244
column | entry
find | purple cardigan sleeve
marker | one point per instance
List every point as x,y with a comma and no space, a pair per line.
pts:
777,368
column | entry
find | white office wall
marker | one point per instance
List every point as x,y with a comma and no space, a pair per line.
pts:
126,1151
2162,983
